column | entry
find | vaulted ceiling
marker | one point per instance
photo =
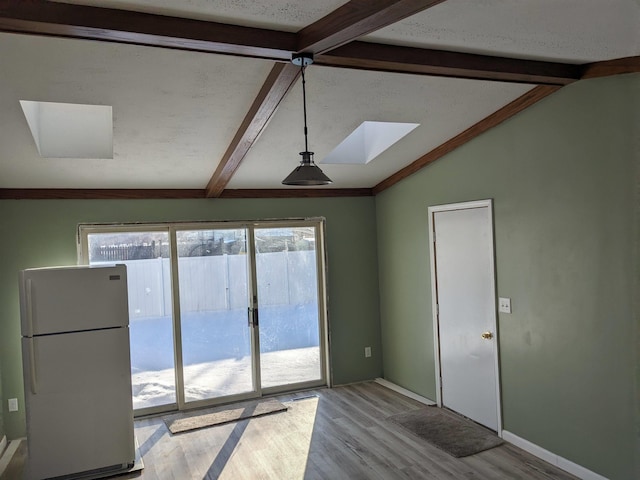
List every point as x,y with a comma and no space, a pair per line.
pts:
206,102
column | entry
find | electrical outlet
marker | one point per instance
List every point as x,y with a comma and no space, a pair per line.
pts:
13,404
504,305
367,352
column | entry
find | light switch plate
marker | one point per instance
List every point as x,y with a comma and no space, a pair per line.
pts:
13,404
504,305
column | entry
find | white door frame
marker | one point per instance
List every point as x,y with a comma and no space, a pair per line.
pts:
434,298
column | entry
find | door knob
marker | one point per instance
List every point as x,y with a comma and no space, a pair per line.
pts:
487,335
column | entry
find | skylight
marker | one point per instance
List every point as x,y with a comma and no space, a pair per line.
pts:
368,141
66,130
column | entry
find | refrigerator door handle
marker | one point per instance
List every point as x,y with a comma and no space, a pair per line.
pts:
32,362
29,302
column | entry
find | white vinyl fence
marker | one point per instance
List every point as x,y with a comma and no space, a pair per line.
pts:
214,283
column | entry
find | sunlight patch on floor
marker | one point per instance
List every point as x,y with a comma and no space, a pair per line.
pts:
276,458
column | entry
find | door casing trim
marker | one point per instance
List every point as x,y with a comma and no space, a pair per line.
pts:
434,299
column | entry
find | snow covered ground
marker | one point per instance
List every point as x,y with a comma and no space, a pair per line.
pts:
226,376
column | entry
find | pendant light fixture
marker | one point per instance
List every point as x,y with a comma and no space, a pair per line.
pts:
307,173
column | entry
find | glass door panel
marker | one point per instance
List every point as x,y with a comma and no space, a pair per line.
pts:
146,255
216,335
287,281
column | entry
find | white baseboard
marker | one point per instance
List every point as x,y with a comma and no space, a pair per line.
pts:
6,457
404,391
549,457
3,444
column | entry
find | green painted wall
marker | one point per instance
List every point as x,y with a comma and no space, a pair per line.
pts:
36,233
563,176
2,432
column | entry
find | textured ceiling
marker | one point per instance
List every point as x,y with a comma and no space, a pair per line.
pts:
341,99
573,31
176,112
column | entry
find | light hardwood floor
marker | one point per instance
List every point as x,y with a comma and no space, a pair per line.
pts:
326,434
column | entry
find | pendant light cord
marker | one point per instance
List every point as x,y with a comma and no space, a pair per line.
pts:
304,107
307,173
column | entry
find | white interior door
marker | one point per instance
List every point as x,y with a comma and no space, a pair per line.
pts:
465,294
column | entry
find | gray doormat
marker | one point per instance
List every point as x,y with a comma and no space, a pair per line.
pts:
455,435
183,422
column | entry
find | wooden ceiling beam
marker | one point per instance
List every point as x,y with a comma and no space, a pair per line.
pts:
297,193
422,61
618,66
97,193
355,19
155,193
274,89
40,17
519,104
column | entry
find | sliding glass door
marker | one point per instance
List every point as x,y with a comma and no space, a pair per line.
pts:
219,311
217,337
287,279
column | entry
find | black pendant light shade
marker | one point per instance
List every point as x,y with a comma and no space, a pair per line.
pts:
307,173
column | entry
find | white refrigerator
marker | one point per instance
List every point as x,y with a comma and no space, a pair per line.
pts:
77,371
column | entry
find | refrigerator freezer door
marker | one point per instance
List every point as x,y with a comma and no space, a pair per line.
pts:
80,417
56,300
